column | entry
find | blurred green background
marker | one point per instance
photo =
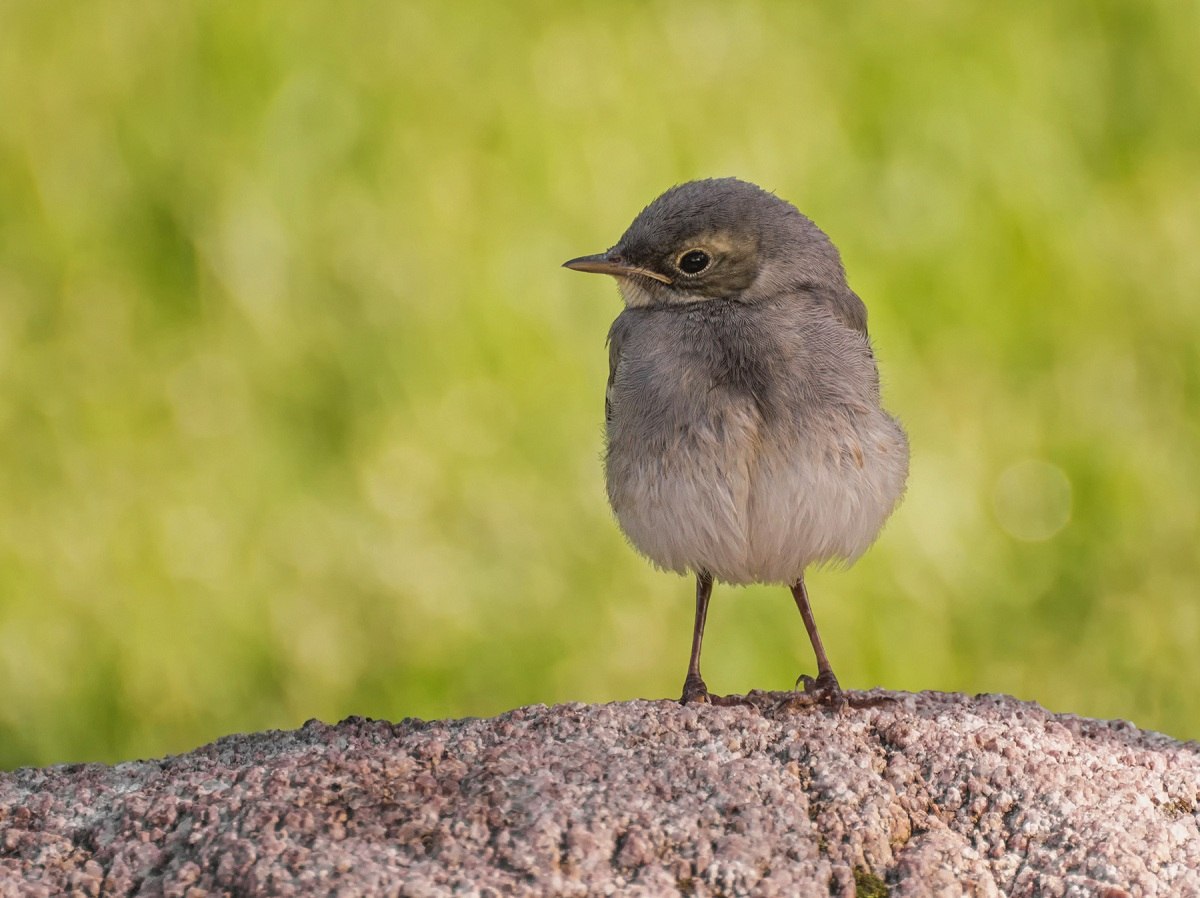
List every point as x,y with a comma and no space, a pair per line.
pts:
299,416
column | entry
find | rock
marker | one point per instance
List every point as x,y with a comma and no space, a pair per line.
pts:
895,794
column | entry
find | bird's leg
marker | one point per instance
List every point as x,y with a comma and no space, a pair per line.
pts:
825,686
694,689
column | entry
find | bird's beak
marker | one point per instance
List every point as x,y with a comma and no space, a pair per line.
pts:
607,263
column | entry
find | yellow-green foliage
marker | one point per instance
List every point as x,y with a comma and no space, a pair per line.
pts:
868,885
299,416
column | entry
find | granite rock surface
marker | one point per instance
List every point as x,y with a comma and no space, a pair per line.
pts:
894,794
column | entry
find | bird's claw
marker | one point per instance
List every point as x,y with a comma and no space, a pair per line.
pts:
694,691
824,689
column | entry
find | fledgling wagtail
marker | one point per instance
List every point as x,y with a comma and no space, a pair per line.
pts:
746,440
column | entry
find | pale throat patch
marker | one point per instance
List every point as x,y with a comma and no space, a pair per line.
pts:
634,293
637,294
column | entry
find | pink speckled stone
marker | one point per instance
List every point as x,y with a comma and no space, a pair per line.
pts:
930,794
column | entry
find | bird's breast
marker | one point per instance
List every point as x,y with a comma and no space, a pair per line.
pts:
717,460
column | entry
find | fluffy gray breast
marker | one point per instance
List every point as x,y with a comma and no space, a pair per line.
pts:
791,360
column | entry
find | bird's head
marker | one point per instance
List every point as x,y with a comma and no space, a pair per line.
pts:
718,239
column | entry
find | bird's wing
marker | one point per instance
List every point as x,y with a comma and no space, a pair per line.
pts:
849,309
616,337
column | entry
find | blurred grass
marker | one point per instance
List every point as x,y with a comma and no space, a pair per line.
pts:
300,417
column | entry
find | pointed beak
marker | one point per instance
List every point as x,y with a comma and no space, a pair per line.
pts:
607,263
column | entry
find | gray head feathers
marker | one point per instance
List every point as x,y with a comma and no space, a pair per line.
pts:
723,238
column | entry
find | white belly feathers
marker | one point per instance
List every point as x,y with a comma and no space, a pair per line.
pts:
722,497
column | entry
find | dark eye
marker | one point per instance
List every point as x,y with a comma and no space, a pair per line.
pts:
693,261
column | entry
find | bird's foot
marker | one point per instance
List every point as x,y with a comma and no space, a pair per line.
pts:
824,689
694,690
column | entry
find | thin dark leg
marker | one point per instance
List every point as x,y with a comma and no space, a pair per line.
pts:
826,684
694,689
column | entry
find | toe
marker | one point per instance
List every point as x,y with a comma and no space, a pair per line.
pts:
824,688
694,690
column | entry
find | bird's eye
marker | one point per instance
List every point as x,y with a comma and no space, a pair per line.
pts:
693,261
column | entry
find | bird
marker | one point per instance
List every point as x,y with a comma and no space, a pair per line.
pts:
745,440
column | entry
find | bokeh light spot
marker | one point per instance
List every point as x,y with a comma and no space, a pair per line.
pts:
1032,500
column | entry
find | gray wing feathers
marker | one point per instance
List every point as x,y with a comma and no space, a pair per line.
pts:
616,336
